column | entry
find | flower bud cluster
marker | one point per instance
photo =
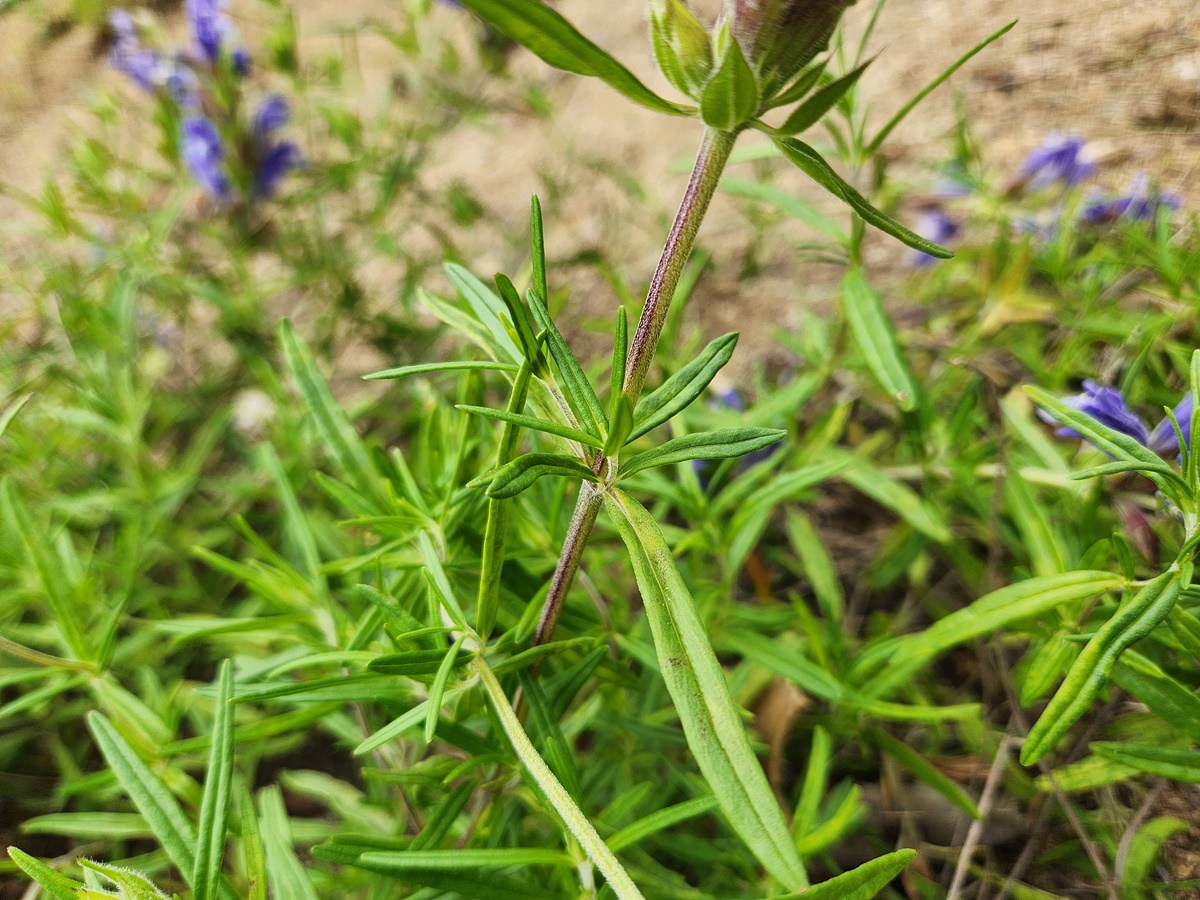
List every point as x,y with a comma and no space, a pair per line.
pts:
757,51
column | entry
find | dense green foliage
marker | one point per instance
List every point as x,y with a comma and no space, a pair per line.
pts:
264,633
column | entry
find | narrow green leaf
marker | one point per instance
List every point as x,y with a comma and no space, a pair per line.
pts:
412,662
530,345
862,883
813,110
218,783
725,443
489,311
151,797
818,566
837,827
491,566
438,689
426,368
678,391
580,395
340,439
253,854
473,884
902,500
697,684
541,29
1136,618
877,141
924,771
815,167
287,876
876,340
537,240
523,471
1174,763
59,885
1138,881
798,209
661,819
453,860
1162,694
786,662
731,95
1032,597
11,411
442,819
801,85
812,791
439,584
393,729
133,885
523,421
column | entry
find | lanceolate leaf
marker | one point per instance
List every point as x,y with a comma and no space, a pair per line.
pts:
341,440
218,785
722,444
862,883
1028,598
876,340
579,391
814,166
523,471
57,884
523,421
706,709
1136,618
678,391
153,800
878,140
539,28
1174,763
812,110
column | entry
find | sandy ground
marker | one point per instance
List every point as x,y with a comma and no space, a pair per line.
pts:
1125,76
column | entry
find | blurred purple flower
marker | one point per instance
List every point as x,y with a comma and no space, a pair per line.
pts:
213,31
204,155
148,69
1107,406
934,225
1057,159
274,159
1140,204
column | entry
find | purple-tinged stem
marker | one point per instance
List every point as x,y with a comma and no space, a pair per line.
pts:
710,162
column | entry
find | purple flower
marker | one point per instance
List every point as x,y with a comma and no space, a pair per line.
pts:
1057,159
1107,406
274,159
932,224
1140,204
212,31
204,155
148,69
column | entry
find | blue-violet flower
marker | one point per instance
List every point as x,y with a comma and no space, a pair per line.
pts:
204,155
1058,158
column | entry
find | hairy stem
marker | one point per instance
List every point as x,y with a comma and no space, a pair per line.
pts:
573,817
710,162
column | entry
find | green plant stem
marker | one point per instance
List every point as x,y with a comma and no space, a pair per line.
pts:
710,163
573,817
706,173
587,507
